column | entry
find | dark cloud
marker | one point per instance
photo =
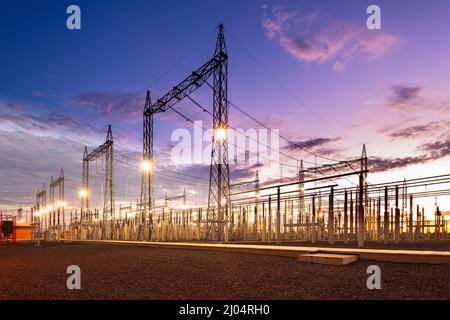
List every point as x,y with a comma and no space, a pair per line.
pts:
419,130
412,98
309,144
431,151
377,164
438,149
329,151
404,96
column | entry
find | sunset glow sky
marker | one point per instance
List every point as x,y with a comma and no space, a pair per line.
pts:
308,68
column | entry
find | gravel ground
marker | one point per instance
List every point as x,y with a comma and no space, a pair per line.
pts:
128,272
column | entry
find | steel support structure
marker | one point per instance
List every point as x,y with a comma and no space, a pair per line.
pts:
57,208
219,185
147,203
362,189
41,206
107,150
219,176
301,185
362,194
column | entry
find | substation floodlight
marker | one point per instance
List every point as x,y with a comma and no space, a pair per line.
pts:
83,193
220,134
61,204
147,166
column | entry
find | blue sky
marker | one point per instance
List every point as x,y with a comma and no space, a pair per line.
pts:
308,68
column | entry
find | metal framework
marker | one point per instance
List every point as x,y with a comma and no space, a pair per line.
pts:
41,203
174,198
57,208
147,192
107,150
219,185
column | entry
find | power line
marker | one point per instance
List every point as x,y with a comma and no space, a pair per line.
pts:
137,162
289,92
198,104
198,44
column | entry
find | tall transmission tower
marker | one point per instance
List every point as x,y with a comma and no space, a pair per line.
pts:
219,175
107,150
85,183
362,193
219,186
147,190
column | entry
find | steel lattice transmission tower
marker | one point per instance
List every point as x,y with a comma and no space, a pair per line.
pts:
147,191
219,179
107,150
218,200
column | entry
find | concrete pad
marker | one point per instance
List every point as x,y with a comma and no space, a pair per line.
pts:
328,258
391,255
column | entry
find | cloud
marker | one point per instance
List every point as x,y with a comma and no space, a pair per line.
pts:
416,131
28,161
413,98
377,164
431,151
12,106
50,124
308,38
309,144
404,96
127,107
437,149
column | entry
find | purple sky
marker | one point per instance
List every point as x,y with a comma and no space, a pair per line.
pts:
309,68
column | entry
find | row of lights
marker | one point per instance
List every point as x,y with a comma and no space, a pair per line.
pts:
59,204
147,166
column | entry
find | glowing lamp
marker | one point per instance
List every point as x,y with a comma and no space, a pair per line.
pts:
221,134
83,193
147,166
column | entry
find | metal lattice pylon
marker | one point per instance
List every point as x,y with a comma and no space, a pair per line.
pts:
219,181
219,198
147,191
107,150
108,196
